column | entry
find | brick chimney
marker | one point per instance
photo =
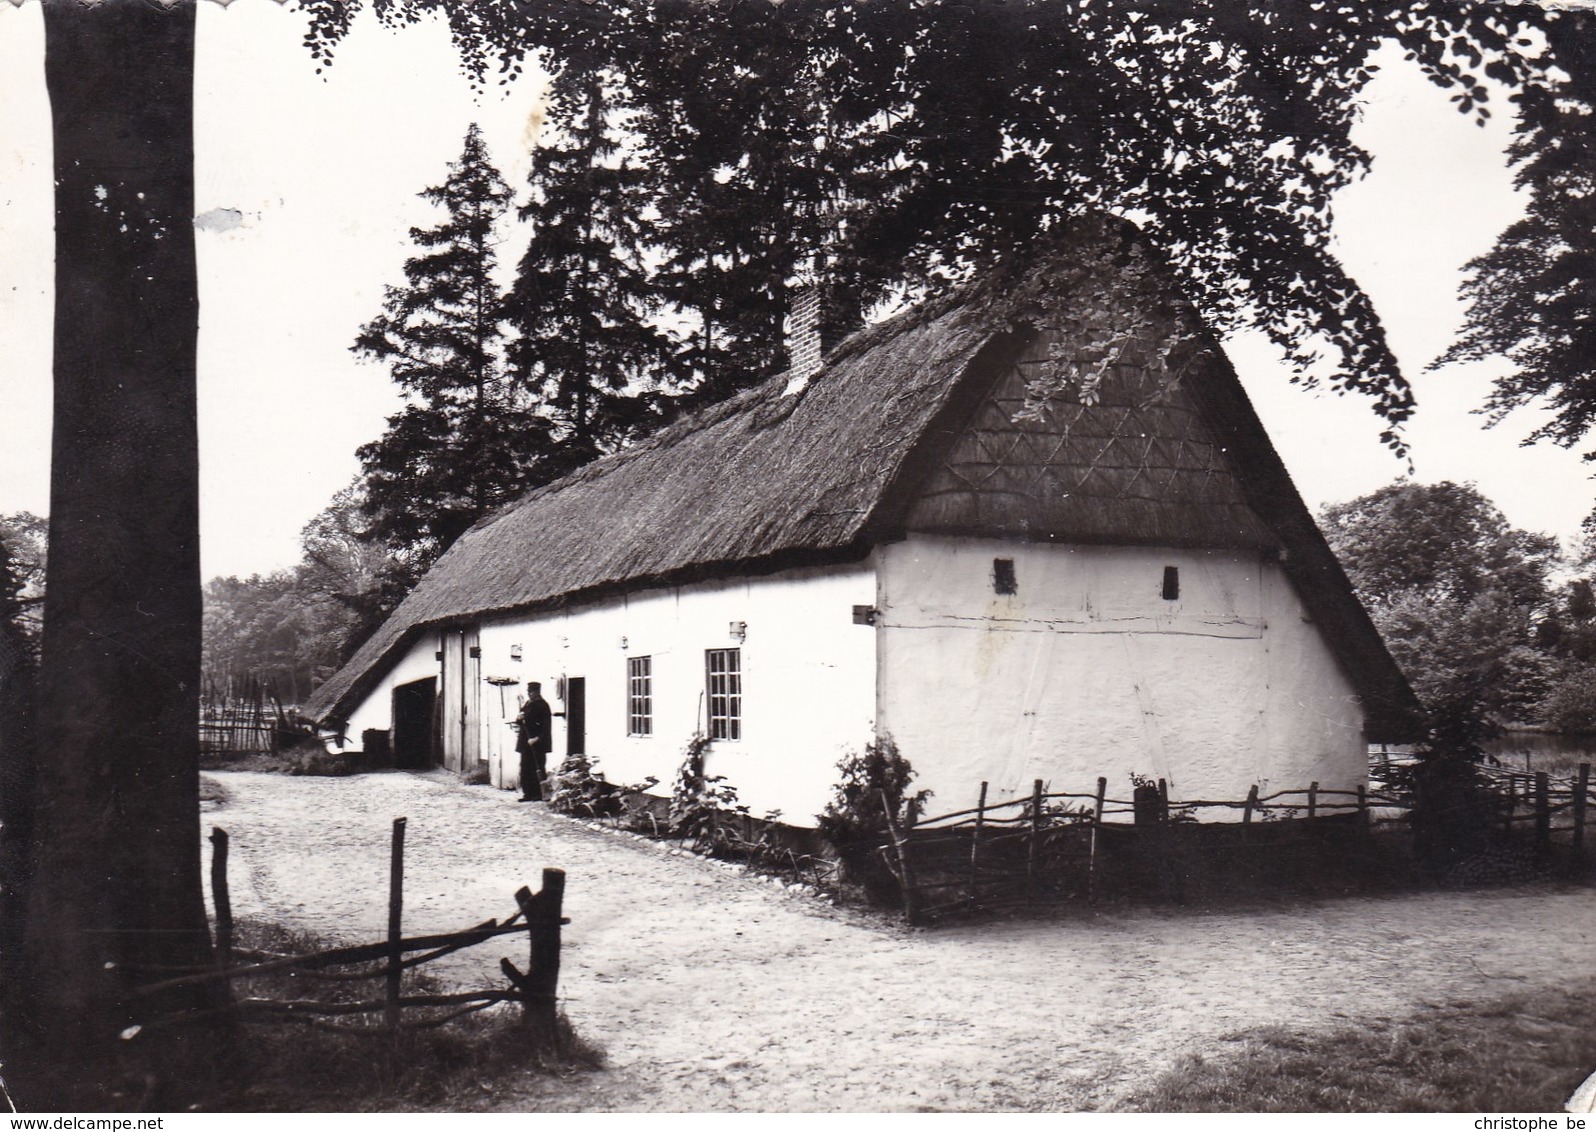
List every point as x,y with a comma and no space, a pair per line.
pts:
803,336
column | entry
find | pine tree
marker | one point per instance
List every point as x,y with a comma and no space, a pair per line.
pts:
582,300
744,211
469,439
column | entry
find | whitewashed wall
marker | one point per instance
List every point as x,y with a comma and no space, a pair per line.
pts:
1088,671
808,682
376,710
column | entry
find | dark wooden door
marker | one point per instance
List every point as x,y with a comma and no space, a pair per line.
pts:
413,713
576,715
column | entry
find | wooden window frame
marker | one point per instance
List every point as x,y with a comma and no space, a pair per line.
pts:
723,694
640,696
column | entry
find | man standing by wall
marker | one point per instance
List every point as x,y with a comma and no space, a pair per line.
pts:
534,741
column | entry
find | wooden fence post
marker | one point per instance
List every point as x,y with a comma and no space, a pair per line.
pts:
1581,789
221,899
1313,800
900,849
1543,811
1363,806
396,903
1036,833
1091,853
543,922
1164,846
223,903
1246,810
975,842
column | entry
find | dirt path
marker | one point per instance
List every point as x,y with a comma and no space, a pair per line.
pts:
711,991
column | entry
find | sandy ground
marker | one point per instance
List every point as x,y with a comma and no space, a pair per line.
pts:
711,990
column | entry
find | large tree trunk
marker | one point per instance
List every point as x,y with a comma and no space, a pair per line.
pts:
116,895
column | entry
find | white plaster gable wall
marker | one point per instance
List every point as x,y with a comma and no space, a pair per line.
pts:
376,710
1088,671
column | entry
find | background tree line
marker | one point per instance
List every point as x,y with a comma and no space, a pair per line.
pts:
1491,624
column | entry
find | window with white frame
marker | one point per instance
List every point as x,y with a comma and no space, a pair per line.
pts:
724,672
640,695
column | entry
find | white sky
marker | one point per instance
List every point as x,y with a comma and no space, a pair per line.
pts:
325,170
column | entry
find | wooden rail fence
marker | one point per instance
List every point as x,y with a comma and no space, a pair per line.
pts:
537,914
1548,806
246,717
1050,847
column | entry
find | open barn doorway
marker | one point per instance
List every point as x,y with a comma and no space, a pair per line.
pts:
415,745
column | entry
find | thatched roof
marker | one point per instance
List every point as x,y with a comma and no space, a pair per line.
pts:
1077,397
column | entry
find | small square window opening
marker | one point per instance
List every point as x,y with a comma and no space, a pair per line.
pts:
1003,580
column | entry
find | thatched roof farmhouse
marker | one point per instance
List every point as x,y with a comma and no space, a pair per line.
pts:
1033,529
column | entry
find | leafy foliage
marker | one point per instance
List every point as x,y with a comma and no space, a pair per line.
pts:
292,628
1569,636
702,804
897,146
578,787
1458,595
869,785
1530,296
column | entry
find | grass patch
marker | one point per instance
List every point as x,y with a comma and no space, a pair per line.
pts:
1526,1053
459,1066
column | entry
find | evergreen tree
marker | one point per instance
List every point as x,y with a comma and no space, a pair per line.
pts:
582,300
469,439
745,210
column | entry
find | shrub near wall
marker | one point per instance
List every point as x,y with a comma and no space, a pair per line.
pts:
854,822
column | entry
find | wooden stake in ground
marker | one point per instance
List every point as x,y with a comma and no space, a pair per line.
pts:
1091,854
1543,812
1035,840
540,986
975,842
1581,790
223,904
396,904
900,849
